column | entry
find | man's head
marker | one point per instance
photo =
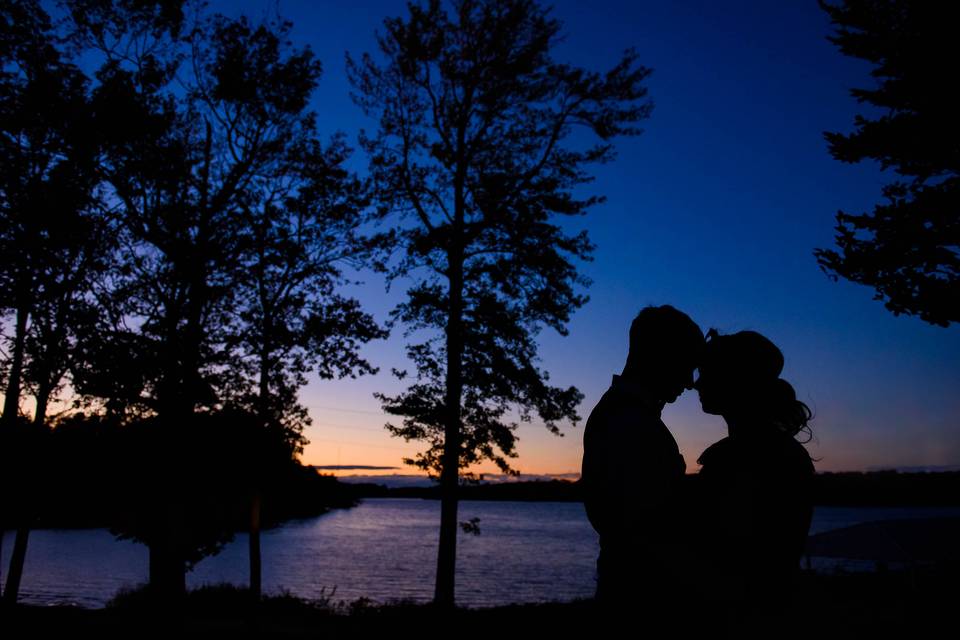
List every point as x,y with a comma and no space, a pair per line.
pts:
665,348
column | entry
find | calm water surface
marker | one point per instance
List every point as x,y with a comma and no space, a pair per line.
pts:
384,549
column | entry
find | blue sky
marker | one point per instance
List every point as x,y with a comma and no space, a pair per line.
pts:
715,209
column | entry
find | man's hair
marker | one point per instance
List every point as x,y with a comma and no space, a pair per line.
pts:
663,334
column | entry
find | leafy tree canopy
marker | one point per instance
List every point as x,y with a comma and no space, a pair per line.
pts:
908,247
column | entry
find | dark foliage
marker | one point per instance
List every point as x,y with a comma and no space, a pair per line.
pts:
24,470
222,228
908,247
89,471
53,238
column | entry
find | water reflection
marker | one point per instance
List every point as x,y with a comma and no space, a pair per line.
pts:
385,549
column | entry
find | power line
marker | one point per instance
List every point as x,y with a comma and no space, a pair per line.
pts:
358,444
348,426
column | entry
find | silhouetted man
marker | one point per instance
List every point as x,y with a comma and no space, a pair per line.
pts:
632,467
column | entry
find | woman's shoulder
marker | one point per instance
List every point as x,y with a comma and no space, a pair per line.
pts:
718,453
794,449
785,457
771,451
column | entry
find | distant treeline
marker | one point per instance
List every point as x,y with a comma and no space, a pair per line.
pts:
94,498
302,493
888,489
90,472
878,488
532,491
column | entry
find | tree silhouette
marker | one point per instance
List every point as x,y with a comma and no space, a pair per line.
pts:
231,213
907,248
47,184
473,116
302,234
51,234
179,254
300,218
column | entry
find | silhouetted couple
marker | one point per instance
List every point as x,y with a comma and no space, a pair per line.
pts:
726,546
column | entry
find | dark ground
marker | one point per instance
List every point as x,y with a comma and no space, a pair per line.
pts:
876,605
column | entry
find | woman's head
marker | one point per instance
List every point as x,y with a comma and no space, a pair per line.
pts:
739,376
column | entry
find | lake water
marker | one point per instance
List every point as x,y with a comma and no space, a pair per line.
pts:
384,549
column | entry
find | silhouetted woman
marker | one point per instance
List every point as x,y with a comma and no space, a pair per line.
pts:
754,495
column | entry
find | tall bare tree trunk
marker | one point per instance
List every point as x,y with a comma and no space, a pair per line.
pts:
444,594
11,402
19,557
449,474
255,563
17,560
256,499
168,583
43,401
167,572
168,569
3,531
11,409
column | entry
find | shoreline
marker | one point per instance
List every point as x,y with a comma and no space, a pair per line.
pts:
880,604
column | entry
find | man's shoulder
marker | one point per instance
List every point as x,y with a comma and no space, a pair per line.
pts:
605,406
614,413
618,400
616,417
